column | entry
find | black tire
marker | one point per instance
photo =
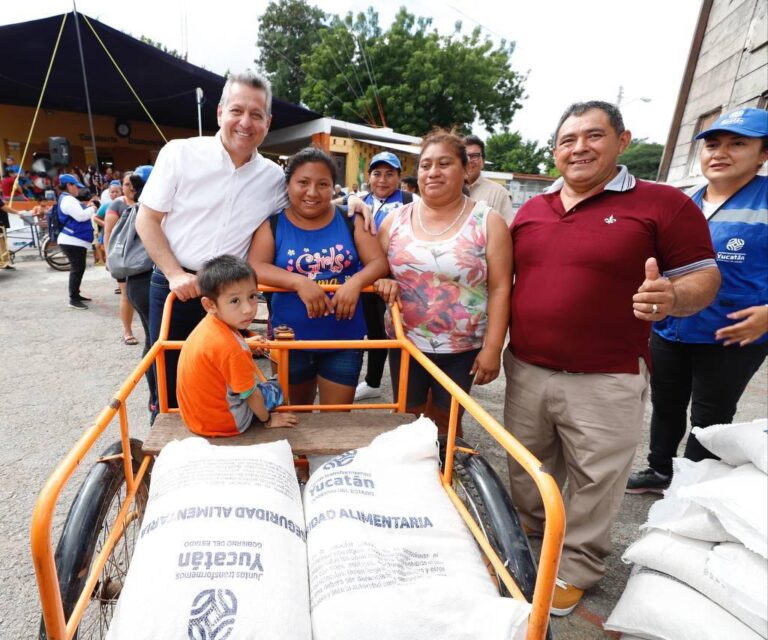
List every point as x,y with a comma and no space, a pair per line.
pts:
86,528
483,493
53,255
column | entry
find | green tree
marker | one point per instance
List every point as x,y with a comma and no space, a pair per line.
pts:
409,77
509,152
642,158
288,30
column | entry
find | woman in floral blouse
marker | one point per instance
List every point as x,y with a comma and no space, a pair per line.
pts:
452,259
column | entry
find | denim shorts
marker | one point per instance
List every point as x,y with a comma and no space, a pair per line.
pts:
341,366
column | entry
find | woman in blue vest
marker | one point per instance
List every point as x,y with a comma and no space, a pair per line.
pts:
309,244
709,358
76,235
385,196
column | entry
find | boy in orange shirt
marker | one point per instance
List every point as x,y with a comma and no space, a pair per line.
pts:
217,389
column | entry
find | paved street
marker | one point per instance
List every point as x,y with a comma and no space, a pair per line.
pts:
59,367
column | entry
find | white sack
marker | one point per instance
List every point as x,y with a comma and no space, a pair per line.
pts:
744,573
738,443
389,555
679,515
222,549
687,560
655,606
740,502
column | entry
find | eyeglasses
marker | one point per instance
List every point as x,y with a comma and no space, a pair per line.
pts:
474,156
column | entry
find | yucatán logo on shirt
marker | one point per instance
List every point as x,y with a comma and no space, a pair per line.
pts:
734,254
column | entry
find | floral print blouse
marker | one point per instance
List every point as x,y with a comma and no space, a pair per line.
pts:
444,283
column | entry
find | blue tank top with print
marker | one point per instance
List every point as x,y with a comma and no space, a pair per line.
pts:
326,256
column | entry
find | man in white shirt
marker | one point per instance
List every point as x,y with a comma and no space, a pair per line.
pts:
205,197
482,189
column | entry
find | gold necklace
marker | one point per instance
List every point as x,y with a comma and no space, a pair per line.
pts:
448,228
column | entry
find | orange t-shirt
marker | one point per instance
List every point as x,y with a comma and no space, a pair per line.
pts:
215,367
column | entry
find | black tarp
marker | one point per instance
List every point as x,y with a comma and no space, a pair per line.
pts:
166,84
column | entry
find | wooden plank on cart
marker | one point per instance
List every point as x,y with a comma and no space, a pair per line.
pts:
318,433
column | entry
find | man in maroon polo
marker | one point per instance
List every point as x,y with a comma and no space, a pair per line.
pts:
597,258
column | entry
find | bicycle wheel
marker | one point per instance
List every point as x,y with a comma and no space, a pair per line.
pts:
86,529
54,256
485,497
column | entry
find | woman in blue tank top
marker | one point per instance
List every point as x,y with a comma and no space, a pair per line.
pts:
313,244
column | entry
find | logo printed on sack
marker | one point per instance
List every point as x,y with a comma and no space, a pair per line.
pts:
212,616
735,244
340,461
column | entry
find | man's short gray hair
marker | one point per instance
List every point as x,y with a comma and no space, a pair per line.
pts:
249,79
580,108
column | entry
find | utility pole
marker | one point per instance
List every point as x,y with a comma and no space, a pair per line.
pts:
620,97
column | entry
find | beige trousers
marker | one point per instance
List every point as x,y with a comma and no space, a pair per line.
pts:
584,427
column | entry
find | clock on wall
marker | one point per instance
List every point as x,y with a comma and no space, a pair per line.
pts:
122,128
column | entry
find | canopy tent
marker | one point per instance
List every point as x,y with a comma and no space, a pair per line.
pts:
166,84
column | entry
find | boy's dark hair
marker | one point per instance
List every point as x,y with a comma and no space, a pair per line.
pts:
221,271
474,140
307,155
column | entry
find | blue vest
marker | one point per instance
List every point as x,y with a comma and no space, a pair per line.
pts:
739,231
326,256
80,230
392,202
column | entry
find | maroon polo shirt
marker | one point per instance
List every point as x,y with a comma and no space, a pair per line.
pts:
576,272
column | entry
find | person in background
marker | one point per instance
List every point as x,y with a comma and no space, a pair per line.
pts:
137,286
8,181
708,359
107,195
76,235
452,259
115,191
481,188
116,209
411,185
308,244
598,257
385,196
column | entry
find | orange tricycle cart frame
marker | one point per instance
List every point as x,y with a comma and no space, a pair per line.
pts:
80,582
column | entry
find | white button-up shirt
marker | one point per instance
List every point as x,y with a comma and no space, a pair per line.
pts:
211,207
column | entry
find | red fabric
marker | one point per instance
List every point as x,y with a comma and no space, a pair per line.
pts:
576,273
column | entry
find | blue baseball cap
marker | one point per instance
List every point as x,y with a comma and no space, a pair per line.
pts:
143,171
748,122
385,157
114,183
68,178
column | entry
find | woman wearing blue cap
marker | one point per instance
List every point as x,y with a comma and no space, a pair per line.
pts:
710,357
76,235
385,196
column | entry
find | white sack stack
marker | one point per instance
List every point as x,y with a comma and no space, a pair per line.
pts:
701,569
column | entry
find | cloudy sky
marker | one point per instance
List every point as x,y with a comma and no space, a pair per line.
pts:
571,49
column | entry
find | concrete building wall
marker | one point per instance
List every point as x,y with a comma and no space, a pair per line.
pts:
731,71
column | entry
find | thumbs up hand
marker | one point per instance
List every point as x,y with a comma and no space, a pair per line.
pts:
655,299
